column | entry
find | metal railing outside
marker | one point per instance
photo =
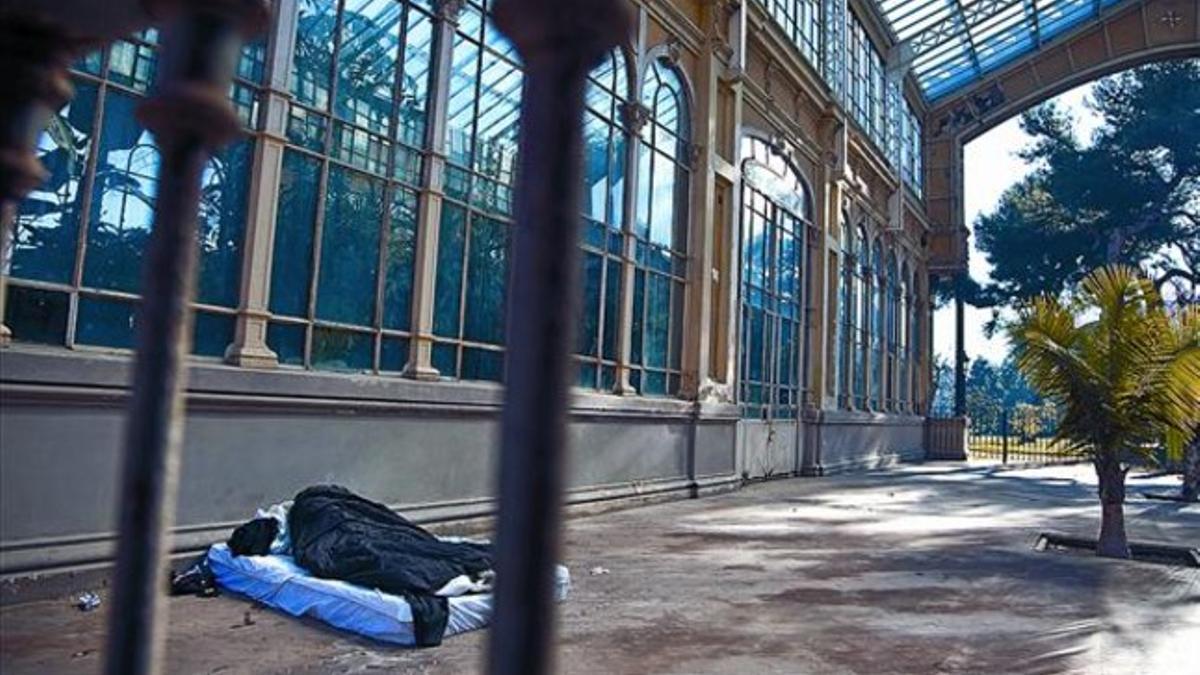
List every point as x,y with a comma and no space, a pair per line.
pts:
1024,433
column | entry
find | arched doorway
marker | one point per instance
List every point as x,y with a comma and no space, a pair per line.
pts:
776,214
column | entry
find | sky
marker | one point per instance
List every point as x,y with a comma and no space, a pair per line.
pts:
991,165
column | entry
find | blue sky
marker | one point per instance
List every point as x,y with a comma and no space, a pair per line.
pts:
991,165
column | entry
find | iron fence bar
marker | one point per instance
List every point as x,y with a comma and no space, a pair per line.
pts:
559,41
1004,437
190,115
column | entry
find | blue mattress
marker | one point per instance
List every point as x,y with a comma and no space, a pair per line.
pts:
278,582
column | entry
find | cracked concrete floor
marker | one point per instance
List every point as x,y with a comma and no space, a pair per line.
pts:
919,569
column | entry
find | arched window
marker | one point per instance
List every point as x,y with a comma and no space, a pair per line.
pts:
660,227
878,291
604,170
862,277
847,315
776,211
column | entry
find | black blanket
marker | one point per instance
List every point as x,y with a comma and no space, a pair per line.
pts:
337,534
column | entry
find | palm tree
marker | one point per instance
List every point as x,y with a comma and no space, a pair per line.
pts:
1125,373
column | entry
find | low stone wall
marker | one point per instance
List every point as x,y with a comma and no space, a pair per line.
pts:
258,437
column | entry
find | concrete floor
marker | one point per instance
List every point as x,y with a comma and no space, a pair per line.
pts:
921,569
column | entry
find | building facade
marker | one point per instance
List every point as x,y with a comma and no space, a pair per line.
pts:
754,286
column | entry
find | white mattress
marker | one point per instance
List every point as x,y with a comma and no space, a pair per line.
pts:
277,581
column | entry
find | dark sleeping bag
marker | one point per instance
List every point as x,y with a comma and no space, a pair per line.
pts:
338,535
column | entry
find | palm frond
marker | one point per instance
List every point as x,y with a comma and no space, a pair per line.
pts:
1127,378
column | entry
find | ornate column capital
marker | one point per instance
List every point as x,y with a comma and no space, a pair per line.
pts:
449,10
634,117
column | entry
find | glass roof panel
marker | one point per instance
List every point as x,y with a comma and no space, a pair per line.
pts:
956,42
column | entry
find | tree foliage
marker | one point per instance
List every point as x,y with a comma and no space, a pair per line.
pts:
1131,195
1124,372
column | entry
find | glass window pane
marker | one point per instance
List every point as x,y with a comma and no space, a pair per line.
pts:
658,321
401,244
482,364
445,359
639,306
662,207
616,179
487,277
212,333
366,62
586,375
122,208
460,108
294,222
414,86
314,52
349,248
35,315
499,112
595,167
393,354
586,340
448,289
47,225
342,349
287,341
104,322
612,299
222,218
361,148
132,64
642,204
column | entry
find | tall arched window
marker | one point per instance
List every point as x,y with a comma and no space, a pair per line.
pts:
878,291
604,170
660,227
847,316
776,210
862,277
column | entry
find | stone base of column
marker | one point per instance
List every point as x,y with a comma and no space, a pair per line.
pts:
419,366
712,391
248,356
426,373
249,347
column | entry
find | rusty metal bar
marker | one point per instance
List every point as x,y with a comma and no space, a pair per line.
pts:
190,115
559,42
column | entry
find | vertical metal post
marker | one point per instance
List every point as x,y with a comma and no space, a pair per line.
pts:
190,115
1004,437
960,353
559,42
